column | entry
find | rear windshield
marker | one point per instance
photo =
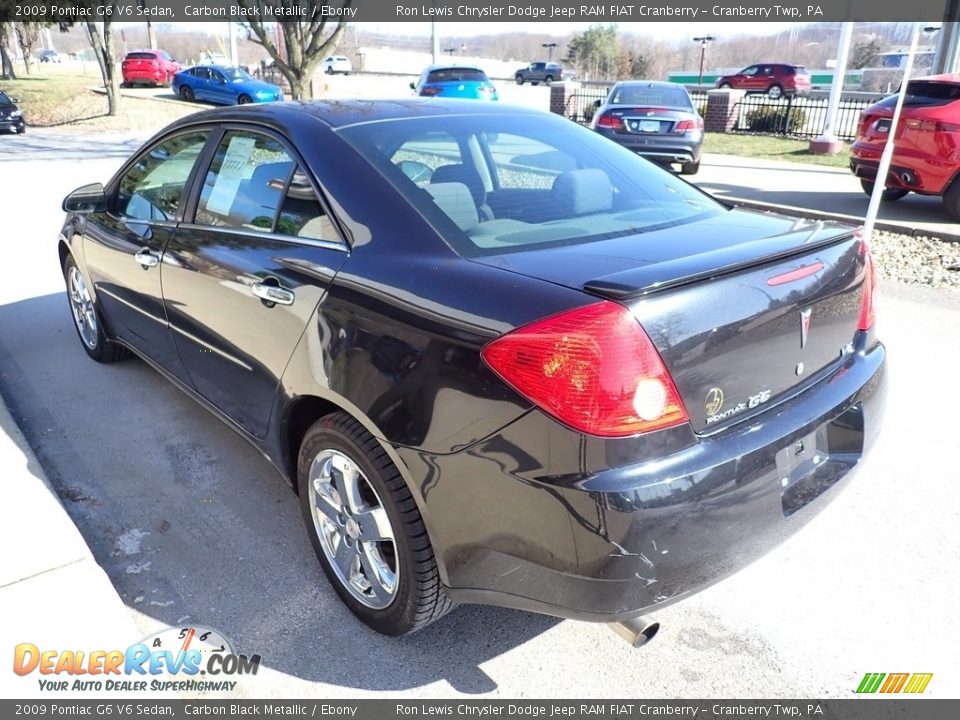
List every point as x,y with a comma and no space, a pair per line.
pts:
921,93
141,56
655,96
799,70
456,75
492,184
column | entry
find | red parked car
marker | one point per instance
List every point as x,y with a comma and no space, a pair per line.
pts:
150,67
772,79
926,151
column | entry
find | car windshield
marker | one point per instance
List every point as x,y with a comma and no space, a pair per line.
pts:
925,93
492,184
235,74
651,95
4,100
455,74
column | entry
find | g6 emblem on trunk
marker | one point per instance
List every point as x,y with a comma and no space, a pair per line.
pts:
714,401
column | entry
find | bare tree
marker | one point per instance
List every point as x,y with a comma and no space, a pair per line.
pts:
100,35
304,44
6,64
28,35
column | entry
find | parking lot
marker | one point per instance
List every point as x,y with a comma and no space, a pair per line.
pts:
191,524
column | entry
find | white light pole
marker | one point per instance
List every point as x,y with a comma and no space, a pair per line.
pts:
434,42
887,156
234,60
828,143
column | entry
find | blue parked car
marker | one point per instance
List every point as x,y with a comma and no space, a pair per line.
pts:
224,86
455,81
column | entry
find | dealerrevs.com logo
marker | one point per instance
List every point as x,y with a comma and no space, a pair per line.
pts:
192,659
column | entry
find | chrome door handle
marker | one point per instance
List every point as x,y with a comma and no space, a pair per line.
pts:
273,294
146,259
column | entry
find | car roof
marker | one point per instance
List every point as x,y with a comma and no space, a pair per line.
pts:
342,113
648,83
943,77
453,66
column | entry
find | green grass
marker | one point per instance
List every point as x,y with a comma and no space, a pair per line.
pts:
772,148
56,99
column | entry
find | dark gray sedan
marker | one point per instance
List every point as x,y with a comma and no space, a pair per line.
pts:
654,119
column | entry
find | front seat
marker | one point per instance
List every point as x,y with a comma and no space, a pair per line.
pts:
462,174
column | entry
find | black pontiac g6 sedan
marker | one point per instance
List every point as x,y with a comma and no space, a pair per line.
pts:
501,359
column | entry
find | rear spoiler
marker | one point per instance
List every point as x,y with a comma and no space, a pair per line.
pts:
647,279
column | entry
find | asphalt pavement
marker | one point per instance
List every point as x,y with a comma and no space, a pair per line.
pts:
191,525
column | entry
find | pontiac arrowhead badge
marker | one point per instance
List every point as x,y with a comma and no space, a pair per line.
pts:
804,326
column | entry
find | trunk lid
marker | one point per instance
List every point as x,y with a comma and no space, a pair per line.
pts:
745,308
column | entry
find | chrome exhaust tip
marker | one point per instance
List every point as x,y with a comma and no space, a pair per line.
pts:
637,631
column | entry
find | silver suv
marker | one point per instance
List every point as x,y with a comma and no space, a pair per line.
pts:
539,72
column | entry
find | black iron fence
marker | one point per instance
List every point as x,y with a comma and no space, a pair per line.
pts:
797,116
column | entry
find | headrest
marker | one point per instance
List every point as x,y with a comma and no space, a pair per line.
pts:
456,202
583,191
462,174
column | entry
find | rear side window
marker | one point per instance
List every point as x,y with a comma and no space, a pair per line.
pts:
301,214
658,96
923,93
245,182
456,75
141,56
152,187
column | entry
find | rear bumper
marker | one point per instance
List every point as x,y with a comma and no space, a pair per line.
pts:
148,76
658,148
926,176
550,535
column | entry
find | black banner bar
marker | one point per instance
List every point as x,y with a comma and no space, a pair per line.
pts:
854,709
712,11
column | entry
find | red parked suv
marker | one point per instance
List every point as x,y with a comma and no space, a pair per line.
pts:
926,150
151,67
773,79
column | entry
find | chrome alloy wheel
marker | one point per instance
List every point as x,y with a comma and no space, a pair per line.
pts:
81,304
354,530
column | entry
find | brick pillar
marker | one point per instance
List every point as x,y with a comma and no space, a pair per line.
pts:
722,111
560,94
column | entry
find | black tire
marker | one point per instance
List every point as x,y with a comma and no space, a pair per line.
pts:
519,79
534,82
775,91
186,93
889,194
103,350
244,100
125,84
725,86
420,598
21,130
329,69
951,200
690,168
548,79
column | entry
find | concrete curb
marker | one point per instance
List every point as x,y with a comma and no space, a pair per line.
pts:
850,219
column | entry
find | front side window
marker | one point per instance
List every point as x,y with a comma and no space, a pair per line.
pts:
245,182
752,70
153,187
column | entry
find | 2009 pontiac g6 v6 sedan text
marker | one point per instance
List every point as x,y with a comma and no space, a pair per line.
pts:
500,358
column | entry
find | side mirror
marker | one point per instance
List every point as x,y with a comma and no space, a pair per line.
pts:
87,199
597,103
413,86
14,100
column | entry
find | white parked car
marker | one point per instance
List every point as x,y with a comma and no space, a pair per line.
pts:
214,59
337,64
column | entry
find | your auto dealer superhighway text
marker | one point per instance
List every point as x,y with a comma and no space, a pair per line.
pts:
606,11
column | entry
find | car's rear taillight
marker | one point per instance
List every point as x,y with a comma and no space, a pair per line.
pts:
868,315
593,368
610,121
688,125
429,91
930,125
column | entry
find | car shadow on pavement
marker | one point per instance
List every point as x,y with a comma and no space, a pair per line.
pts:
194,527
57,145
909,210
